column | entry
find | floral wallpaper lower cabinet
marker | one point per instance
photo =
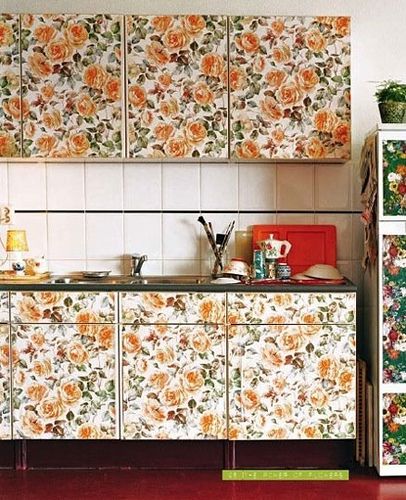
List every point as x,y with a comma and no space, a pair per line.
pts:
64,381
394,429
4,307
5,385
291,382
174,382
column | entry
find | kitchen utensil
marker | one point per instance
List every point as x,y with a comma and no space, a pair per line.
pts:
274,248
228,232
216,250
323,271
95,274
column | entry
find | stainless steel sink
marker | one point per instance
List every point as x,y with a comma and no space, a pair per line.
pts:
132,280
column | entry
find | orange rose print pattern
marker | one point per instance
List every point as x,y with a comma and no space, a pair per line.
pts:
72,86
177,72
174,383
66,383
10,77
294,103
5,386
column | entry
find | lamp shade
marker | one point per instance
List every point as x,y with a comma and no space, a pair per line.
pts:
16,241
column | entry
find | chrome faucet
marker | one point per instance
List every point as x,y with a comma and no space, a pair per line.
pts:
137,261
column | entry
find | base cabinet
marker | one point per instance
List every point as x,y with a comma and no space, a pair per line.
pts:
5,383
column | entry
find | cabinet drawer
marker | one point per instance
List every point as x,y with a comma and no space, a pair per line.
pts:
174,382
394,430
4,305
172,307
291,308
63,307
5,385
288,384
64,381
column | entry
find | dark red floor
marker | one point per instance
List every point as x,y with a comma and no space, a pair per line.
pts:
186,485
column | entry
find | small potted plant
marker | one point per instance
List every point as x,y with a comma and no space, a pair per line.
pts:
391,97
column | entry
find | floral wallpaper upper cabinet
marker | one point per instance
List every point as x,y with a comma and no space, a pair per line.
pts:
72,85
11,106
290,87
177,86
5,385
291,382
4,307
64,381
172,307
174,382
63,307
394,429
393,176
296,308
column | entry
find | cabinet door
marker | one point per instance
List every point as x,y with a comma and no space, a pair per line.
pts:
177,86
290,87
291,382
72,83
4,307
393,434
64,381
5,385
173,382
10,80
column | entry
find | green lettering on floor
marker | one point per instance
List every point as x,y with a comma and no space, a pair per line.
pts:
286,475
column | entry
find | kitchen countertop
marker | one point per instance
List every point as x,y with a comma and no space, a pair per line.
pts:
164,283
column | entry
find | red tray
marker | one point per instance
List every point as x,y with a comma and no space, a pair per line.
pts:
311,243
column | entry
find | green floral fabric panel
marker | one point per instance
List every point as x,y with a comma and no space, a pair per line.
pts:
72,85
394,429
177,86
10,80
64,381
174,382
292,382
394,308
394,177
5,385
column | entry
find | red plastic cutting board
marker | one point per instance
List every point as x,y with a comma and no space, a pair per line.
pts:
311,243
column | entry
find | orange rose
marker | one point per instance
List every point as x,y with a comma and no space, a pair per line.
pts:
76,353
36,392
282,411
137,96
248,150
42,368
58,51
161,23
158,380
270,108
212,65
16,107
50,408
172,396
29,129
200,341
192,380
275,77
157,54
318,397
52,120
46,143
7,145
177,148
105,336
277,433
290,341
195,132
112,89
70,392
314,148
327,367
393,427
194,24
49,298
238,78
315,41
47,92
163,132
77,35
29,310
165,79
248,41
250,399
154,299
165,355
278,135
78,144
38,337
341,133
131,343
281,54
95,76
88,431
345,380
233,433
44,33
19,377
277,27
259,64
85,105
342,25
27,20
325,120
311,322
307,79
211,310
154,411
39,65
311,432
85,322
211,424
169,108
202,94
31,425
174,39
288,94
279,384
272,357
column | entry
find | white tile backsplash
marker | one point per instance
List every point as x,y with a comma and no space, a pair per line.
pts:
256,186
3,182
104,186
142,186
65,186
143,234
181,186
180,236
104,236
66,236
27,186
36,227
219,186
